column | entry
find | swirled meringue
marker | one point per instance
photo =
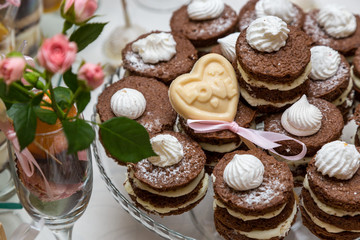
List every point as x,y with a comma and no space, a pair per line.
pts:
155,47
302,118
205,9
244,172
283,9
227,45
324,61
337,21
128,102
168,149
338,159
267,34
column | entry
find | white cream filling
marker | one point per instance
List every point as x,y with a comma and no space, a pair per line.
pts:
328,227
205,49
249,217
355,78
173,193
343,97
278,86
325,208
164,210
280,231
224,148
259,102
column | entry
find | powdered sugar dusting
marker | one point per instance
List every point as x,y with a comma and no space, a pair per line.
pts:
320,88
183,172
265,193
136,62
312,28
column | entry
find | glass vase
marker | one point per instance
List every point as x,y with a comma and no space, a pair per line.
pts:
57,186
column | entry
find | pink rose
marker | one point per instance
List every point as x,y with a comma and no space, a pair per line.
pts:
84,9
11,69
57,54
92,74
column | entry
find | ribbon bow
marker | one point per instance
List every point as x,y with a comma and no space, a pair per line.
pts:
264,139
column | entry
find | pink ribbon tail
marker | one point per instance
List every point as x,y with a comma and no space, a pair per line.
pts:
264,139
25,158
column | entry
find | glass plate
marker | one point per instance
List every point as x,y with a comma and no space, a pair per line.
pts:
195,224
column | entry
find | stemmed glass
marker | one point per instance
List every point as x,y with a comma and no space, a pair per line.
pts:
57,186
120,36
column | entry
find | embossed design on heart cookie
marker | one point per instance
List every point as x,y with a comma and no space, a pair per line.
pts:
209,92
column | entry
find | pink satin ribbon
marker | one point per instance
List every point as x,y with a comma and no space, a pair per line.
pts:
264,139
15,3
25,158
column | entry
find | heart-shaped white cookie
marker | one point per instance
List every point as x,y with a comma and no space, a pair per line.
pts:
209,92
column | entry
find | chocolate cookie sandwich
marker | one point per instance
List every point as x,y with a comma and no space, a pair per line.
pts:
329,78
334,26
273,64
355,73
143,99
330,205
289,12
203,22
172,182
210,92
254,197
160,55
312,121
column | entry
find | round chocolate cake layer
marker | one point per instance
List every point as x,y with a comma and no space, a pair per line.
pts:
272,194
175,176
282,66
175,212
356,62
332,88
204,33
159,114
258,224
163,201
342,194
346,46
244,117
247,14
273,96
229,233
346,222
332,124
322,233
166,71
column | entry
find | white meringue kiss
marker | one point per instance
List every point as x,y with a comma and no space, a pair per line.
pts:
324,61
283,9
205,9
302,118
338,159
267,34
128,102
168,148
244,172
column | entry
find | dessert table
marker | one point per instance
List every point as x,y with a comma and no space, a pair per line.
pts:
104,218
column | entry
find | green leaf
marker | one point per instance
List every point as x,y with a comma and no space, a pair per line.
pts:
37,99
125,139
63,97
86,34
67,26
82,100
24,118
70,80
11,94
79,134
45,115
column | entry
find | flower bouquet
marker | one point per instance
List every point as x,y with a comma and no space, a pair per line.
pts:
45,125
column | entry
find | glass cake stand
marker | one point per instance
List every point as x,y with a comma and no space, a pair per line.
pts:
195,224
